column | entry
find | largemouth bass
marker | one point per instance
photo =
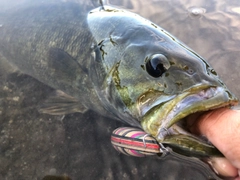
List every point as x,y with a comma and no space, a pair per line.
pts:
118,64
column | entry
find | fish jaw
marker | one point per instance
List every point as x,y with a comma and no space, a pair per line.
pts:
163,120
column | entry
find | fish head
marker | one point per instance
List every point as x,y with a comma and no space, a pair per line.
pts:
160,80
168,83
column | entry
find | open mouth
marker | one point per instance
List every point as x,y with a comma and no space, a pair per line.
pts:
167,121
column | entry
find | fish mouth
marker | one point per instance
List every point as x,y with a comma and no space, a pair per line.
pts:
167,121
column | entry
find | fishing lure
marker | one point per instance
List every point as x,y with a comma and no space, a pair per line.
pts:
134,142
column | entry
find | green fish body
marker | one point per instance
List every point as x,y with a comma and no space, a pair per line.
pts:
118,64
159,79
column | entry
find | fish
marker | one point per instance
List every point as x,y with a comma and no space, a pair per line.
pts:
118,64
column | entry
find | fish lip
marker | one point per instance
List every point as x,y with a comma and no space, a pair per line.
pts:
202,101
203,98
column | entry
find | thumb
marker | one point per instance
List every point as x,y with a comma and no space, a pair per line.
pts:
222,129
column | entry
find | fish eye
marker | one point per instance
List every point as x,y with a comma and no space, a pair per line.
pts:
157,65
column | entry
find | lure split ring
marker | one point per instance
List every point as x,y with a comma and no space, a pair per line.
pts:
135,142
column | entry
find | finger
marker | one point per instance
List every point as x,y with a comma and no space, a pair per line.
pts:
222,128
223,167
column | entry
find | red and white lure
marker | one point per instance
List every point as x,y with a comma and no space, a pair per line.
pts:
134,142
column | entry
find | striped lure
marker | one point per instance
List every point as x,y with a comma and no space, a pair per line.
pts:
134,142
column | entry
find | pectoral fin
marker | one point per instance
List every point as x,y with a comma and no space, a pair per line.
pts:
61,104
63,66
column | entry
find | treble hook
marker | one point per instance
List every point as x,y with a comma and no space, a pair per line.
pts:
144,142
165,151
162,148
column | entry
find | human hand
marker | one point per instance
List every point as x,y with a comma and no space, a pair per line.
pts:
222,128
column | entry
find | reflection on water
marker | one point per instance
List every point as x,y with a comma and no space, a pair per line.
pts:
33,145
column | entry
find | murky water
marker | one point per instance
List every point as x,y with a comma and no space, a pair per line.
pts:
33,145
